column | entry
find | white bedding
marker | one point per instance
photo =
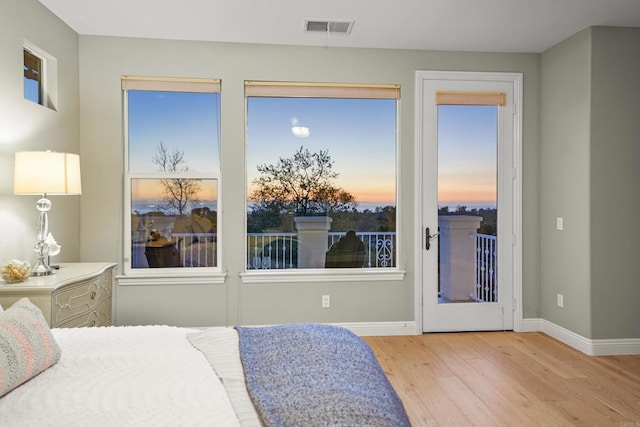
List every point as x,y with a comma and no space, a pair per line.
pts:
221,348
122,376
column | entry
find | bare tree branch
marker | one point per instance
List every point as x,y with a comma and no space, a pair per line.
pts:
179,193
301,185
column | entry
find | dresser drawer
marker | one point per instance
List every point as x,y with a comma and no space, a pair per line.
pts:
72,301
101,316
79,294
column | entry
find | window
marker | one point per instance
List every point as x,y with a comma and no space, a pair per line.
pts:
172,140
32,77
321,175
40,76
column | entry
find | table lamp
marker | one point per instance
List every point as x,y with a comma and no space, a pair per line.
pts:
45,173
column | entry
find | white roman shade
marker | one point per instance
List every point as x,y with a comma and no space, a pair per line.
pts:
471,98
171,84
321,90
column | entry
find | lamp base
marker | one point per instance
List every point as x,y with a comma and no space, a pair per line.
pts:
41,269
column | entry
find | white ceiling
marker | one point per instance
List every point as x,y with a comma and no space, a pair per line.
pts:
452,25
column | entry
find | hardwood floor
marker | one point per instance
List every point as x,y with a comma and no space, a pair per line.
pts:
506,378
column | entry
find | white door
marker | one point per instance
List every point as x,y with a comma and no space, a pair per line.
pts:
468,128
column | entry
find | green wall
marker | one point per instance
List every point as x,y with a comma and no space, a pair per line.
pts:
615,182
25,126
590,172
564,183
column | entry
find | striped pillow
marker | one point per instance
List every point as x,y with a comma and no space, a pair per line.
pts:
26,345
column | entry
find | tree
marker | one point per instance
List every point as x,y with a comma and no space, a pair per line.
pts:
300,185
178,193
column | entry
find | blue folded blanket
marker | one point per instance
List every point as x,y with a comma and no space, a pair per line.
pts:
316,375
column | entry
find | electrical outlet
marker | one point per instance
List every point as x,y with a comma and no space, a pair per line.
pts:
326,301
559,223
560,300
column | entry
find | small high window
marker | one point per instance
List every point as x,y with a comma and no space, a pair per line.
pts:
32,77
40,76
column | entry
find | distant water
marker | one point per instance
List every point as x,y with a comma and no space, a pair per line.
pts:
372,206
469,206
145,206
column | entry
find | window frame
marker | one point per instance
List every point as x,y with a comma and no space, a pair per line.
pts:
168,275
48,91
339,91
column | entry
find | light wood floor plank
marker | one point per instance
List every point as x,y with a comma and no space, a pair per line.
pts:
506,378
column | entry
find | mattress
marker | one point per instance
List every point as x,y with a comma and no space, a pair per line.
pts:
122,376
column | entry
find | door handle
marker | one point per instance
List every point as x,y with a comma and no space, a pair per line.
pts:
428,237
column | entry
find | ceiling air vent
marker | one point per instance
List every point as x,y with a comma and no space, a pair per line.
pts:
340,27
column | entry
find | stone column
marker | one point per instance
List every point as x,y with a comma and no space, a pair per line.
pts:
313,240
457,255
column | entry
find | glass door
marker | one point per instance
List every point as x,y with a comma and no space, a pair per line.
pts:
467,203
467,164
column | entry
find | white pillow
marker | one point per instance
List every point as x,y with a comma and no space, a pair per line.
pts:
26,345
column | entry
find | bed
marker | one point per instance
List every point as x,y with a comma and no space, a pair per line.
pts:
284,375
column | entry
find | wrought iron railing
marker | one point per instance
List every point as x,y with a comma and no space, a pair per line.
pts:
486,263
196,249
380,247
276,251
272,251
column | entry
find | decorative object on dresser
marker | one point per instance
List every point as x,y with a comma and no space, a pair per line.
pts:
15,271
46,173
78,295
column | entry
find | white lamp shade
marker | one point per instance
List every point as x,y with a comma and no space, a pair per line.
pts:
46,172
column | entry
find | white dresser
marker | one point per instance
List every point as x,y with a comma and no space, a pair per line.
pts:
79,294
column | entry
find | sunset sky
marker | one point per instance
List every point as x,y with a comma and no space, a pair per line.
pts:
181,121
359,134
467,155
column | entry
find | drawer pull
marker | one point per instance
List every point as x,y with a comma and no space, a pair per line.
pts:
93,295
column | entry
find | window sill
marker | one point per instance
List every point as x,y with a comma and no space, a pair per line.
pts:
323,275
172,279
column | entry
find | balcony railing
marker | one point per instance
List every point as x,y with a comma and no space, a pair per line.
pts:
272,251
196,249
380,248
277,251
485,265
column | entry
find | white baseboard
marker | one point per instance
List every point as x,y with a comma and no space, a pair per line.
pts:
380,329
364,329
530,325
597,347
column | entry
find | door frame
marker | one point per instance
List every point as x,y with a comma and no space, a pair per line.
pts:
516,80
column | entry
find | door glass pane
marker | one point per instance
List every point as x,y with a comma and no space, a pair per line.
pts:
467,203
